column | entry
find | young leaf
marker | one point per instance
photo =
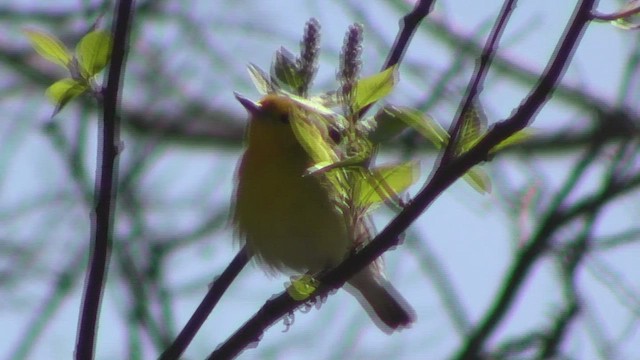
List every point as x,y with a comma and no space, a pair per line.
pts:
625,24
384,182
361,160
474,125
302,288
328,99
375,87
313,142
49,47
434,132
286,72
312,106
424,124
384,126
260,79
317,111
478,179
93,52
520,136
62,91
311,139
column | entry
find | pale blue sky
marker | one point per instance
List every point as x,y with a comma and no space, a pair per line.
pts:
471,233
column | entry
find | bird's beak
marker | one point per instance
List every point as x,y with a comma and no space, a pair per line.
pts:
252,107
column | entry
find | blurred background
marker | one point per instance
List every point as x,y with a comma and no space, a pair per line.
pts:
573,187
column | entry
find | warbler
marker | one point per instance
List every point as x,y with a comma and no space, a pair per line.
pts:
289,219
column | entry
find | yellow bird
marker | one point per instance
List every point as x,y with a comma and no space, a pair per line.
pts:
290,222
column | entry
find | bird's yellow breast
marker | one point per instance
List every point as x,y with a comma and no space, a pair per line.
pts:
288,220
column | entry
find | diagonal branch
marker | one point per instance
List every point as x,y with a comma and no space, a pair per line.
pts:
520,119
475,85
408,27
199,316
444,176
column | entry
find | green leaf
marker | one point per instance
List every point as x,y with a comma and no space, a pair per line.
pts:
478,179
302,288
312,106
313,142
328,99
317,111
260,79
438,136
49,47
625,24
361,160
286,72
311,139
518,137
384,126
63,91
359,157
94,52
374,88
474,125
424,124
383,183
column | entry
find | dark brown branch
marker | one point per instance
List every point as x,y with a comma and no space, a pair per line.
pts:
106,175
274,309
443,177
477,80
198,318
521,118
408,27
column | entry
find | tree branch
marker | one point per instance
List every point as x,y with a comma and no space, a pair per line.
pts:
106,175
201,314
477,80
442,178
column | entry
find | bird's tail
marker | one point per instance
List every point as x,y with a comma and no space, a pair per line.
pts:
389,310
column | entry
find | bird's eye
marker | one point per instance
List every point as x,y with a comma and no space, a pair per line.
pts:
335,135
284,118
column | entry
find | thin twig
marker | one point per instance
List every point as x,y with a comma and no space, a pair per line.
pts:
106,175
199,316
521,118
477,80
276,308
408,27
444,176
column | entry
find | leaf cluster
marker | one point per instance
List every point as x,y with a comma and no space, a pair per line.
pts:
92,54
340,149
342,142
